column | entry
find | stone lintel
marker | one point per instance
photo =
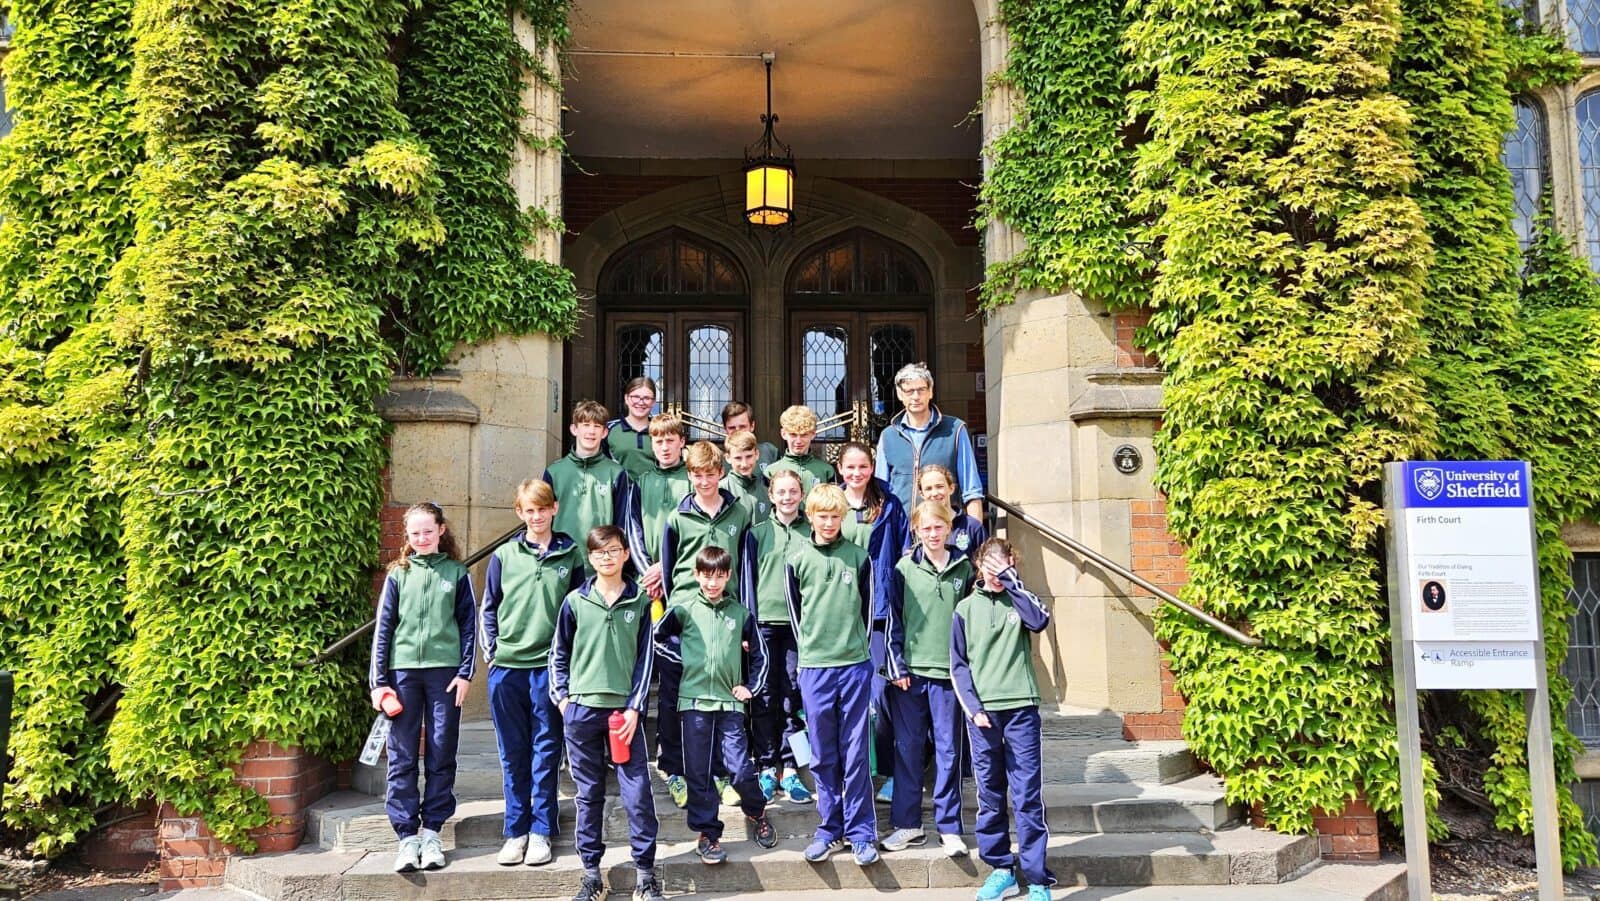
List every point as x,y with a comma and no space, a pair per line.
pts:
1118,393
428,404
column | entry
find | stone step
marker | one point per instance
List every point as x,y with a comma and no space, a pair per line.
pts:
350,821
1066,761
1328,882
1231,857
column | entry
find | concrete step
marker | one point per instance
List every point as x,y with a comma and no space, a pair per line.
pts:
1067,760
1231,857
349,821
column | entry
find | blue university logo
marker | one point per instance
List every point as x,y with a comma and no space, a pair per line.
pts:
963,540
1429,482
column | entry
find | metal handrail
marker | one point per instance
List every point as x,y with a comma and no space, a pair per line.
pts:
472,559
1106,563
698,421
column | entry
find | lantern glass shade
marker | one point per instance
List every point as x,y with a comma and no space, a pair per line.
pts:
769,193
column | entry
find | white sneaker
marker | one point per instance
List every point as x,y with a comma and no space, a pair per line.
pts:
953,845
511,853
538,850
432,850
901,839
408,858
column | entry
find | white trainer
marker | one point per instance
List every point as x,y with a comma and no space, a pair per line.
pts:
953,845
432,850
901,839
408,858
512,852
538,850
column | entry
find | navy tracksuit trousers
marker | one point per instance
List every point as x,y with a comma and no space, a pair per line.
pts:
926,704
430,720
836,701
1007,755
714,740
669,732
775,715
527,724
882,722
588,747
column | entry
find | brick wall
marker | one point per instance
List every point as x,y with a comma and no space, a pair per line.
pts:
290,780
1157,556
1350,834
129,842
585,198
1126,326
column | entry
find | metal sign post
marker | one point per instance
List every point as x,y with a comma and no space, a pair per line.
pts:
1464,614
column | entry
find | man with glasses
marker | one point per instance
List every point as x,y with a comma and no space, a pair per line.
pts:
628,436
920,435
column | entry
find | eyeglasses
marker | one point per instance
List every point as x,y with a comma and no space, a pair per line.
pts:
641,398
608,553
917,392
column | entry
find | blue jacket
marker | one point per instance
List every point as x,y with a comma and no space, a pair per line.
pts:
902,450
885,540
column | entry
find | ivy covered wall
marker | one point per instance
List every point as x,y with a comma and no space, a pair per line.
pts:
1310,199
224,227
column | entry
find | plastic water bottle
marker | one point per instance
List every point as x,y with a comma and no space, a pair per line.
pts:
800,744
376,739
621,751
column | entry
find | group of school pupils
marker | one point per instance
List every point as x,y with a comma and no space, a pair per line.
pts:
782,587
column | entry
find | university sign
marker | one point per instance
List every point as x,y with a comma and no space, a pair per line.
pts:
1464,614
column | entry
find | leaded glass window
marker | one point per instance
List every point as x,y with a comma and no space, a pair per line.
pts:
1588,110
1583,26
1526,154
893,346
825,375
1582,666
710,384
859,263
673,264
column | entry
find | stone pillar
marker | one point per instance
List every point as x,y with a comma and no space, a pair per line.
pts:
1061,400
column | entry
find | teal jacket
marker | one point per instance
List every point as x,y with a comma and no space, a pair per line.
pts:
991,647
427,618
751,493
830,602
522,593
711,641
629,447
600,656
812,468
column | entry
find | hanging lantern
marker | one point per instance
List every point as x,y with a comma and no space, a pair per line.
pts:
769,171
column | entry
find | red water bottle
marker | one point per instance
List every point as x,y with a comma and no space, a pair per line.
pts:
621,751
391,704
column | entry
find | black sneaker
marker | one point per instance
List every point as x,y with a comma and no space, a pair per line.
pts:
766,836
710,850
592,889
649,889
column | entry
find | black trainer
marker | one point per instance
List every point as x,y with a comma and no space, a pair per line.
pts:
766,836
649,889
710,850
592,889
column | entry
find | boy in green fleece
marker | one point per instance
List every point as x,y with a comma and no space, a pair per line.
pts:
830,607
527,580
991,666
592,488
707,517
744,480
600,663
798,426
720,635
655,495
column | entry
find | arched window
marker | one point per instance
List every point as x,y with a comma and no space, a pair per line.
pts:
1588,110
1583,26
1526,154
858,311
673,307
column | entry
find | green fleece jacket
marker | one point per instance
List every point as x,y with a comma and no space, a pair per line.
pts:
590,491
830,602
812,469
773,543
712,637
751,493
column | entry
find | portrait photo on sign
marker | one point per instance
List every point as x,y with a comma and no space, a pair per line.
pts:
1434,596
